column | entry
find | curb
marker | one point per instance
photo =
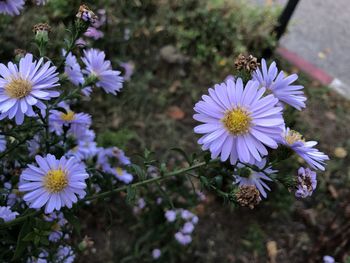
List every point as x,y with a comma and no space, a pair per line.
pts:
314,72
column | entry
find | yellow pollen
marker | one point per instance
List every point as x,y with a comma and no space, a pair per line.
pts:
55,181
293,136
18,88
237,121
119,171
69,116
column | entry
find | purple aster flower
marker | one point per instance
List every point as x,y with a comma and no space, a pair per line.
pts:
141,204
81,43
307,182
2,143
280,85
328,259
65,254
86,147
87,91
183,239
102,18
195,220
78,123
187,215
6,214
11,7
112,157
187,228
94,33
170,215
122,175
59,222
42,258
34,145
72,69
97,67
25,86
128,69
246,176
238,122
156,253
54,182
305,150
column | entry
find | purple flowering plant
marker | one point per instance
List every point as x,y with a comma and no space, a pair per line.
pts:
60,168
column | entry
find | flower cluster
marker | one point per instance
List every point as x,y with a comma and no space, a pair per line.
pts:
242,123
187,219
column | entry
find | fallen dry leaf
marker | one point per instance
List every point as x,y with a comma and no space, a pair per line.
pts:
175,113
340,152
174,86
330,115
272,251
333,191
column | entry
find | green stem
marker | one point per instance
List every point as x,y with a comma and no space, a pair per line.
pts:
19,219
117,190
145,182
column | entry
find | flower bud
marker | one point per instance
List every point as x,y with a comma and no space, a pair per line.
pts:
42,31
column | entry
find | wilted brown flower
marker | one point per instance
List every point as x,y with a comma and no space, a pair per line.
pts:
86,14
41,27
248,195
249,63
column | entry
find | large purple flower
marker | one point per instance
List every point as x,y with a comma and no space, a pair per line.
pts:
280,85
305,150
246,176
55,183
25,86
11,7
97,67
238,122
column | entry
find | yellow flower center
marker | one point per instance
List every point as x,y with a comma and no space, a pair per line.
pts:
18,88
55,181
69,116
119,171
237,121
293,136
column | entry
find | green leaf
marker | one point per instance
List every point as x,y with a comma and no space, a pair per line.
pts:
21,244
184,154
74,221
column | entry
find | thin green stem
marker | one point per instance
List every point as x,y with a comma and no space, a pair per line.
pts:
145,182
116,190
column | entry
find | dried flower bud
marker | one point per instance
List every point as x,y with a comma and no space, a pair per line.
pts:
252,63
240,62
42,31
249,63
41,27
19,53
86,14
248,195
